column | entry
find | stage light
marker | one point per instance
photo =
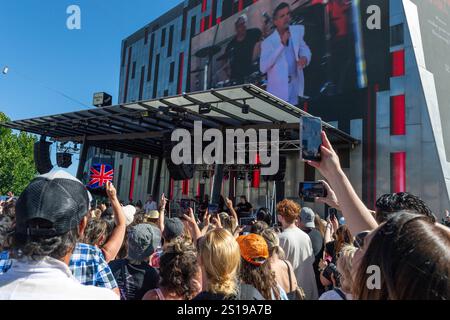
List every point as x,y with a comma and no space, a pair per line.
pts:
5,70
64,159
204,108
245,109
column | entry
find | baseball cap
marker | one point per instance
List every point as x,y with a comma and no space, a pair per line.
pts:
173,227
58,199
143,239
307,216
129,212
254,248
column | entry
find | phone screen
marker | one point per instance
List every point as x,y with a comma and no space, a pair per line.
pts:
308,191
310,136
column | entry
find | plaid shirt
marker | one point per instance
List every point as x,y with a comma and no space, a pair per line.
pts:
5,262
90,268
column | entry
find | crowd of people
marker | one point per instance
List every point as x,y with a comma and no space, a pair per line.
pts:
53,245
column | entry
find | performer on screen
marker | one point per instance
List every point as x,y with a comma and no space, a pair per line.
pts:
284,55
241,51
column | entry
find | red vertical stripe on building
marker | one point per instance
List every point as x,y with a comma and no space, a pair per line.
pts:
133,173
398,63
204,5
256,174
398,172
398,115
180,73
185,187
202,25
198,190
241,5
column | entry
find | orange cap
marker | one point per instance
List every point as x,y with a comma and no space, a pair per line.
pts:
254,249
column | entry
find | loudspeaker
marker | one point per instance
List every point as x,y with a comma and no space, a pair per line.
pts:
63,159
177,172
279,176
42,157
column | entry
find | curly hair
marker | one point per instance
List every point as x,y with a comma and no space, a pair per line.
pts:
262,278
37,247
289,210
178,268
389,204
95,233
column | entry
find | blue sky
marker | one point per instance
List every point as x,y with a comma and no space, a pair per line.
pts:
41,52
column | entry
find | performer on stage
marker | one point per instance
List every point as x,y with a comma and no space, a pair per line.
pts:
241,50
284,55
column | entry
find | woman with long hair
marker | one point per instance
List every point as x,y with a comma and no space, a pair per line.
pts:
342,237
283,270
256,267
219,259
411,256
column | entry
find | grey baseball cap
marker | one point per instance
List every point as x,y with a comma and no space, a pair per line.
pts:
143,239
307,215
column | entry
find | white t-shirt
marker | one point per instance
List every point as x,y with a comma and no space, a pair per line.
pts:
150,206
333,295
298,249
47,279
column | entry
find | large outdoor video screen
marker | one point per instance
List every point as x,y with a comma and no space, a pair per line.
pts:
434,17
307,49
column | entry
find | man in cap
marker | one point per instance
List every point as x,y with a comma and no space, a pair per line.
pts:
242,50
51,215
134,274
307,224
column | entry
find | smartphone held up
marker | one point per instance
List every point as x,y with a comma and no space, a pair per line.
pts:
310,138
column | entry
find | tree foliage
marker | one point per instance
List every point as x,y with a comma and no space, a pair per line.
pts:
17,167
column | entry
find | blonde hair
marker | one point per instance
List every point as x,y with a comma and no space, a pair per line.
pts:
273,242
220,256
344,265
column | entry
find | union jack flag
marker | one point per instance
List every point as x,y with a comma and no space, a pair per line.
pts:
100,174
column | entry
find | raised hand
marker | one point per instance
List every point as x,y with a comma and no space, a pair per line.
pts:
162,202
111,191
331,198
330,160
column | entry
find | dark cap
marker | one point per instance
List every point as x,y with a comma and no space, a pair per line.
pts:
173,228
57,199
143,239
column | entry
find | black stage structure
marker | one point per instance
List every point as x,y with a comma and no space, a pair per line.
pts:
141,128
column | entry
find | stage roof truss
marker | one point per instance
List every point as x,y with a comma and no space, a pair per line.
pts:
140,128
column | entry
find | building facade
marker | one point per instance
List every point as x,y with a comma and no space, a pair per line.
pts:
400,127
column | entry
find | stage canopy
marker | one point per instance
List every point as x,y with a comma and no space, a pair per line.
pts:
139,128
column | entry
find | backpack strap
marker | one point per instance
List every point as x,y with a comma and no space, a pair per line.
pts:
340,293
289,273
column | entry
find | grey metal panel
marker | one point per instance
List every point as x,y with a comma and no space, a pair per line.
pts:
383,162
383,110
397,86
